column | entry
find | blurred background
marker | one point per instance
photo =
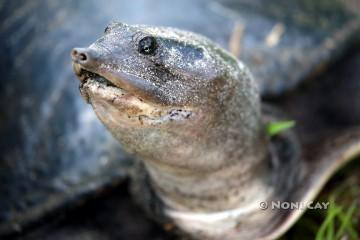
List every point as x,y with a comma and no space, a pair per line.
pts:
61,171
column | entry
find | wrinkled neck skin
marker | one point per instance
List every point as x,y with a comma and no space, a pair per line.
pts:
226,170
210,159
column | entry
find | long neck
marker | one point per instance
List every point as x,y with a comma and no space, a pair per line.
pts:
238,146
211,172
230,187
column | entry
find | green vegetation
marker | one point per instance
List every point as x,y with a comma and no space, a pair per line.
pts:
341,221
336,216
275,128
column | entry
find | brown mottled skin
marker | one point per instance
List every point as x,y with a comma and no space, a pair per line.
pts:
191,113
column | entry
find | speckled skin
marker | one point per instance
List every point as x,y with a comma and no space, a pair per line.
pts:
191,113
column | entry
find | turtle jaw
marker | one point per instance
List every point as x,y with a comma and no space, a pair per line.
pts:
116,105
100,92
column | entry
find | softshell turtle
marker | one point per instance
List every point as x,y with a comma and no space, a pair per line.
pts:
43,166
192,113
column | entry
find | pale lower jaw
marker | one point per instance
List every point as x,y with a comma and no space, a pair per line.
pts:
118,97
129,108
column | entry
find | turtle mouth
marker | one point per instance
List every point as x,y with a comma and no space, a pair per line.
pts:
109,96
96,88
84,75
125,84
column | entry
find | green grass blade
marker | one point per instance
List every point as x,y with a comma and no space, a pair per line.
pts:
332,212
346,223
274,128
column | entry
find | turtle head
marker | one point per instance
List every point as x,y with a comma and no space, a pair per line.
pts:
159,65
163,91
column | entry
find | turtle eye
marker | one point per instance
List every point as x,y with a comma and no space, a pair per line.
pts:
147,45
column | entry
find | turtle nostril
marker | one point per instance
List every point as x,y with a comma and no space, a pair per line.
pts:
79,55
82,57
